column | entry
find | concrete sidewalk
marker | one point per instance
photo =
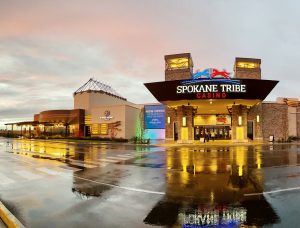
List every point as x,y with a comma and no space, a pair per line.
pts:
9,218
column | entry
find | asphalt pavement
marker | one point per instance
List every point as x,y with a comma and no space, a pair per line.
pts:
86,184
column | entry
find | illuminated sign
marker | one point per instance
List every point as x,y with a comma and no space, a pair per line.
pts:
154,117
223,119
211,73
214,217
249,65
211,83
177,63
106,115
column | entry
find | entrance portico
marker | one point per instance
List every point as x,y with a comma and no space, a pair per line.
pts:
210,104
225,119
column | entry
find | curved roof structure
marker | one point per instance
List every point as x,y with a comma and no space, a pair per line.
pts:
93,85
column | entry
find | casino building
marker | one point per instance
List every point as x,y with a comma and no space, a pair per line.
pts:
193,106
211,103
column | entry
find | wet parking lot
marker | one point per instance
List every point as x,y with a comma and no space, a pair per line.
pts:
89,184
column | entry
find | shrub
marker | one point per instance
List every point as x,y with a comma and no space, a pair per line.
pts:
120,140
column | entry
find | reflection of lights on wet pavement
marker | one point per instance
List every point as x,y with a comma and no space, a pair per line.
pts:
212,197
214,217
213,165
258,159
240,159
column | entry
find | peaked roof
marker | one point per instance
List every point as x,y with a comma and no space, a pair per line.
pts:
93,85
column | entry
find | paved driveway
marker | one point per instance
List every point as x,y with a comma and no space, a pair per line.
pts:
82,184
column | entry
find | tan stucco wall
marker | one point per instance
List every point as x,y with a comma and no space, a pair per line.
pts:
128,116
82,101
90,100
118,114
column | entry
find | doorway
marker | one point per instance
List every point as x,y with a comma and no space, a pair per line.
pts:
250,130
175,131
221,132
87,131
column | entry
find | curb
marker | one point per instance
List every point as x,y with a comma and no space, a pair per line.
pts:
8,218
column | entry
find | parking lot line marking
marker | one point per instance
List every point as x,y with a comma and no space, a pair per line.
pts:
22,160
5,180
122,187
274,191
48,171
27,174
54,172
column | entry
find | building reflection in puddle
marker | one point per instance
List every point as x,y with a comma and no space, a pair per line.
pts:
206,187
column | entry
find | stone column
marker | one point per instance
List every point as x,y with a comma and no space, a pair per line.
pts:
186,111
239,110
171,113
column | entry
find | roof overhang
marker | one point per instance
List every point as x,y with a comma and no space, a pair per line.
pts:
212,106
167,91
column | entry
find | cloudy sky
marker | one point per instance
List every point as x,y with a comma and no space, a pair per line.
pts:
49,48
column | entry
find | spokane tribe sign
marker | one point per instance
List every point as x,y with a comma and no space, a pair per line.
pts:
211,84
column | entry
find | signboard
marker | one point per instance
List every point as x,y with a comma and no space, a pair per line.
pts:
223,120
154,117
106,116
212,120
211,84
211,73
205,120
206,88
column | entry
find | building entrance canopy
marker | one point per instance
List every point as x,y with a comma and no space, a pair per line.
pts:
193,89
212,106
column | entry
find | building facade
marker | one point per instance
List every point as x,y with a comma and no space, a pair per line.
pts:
192,106
211,103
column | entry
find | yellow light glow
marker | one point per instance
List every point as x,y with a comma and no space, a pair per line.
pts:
95,129
258,159
184,121
199,166
257,118
205,120
184,133
169,120
240,159
184,160
87,119
177,63
213,165
240,133
169,159
240,122
103,129
249,65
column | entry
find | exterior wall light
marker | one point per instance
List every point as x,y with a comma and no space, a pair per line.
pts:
184,121
257,118
240,122
169,120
